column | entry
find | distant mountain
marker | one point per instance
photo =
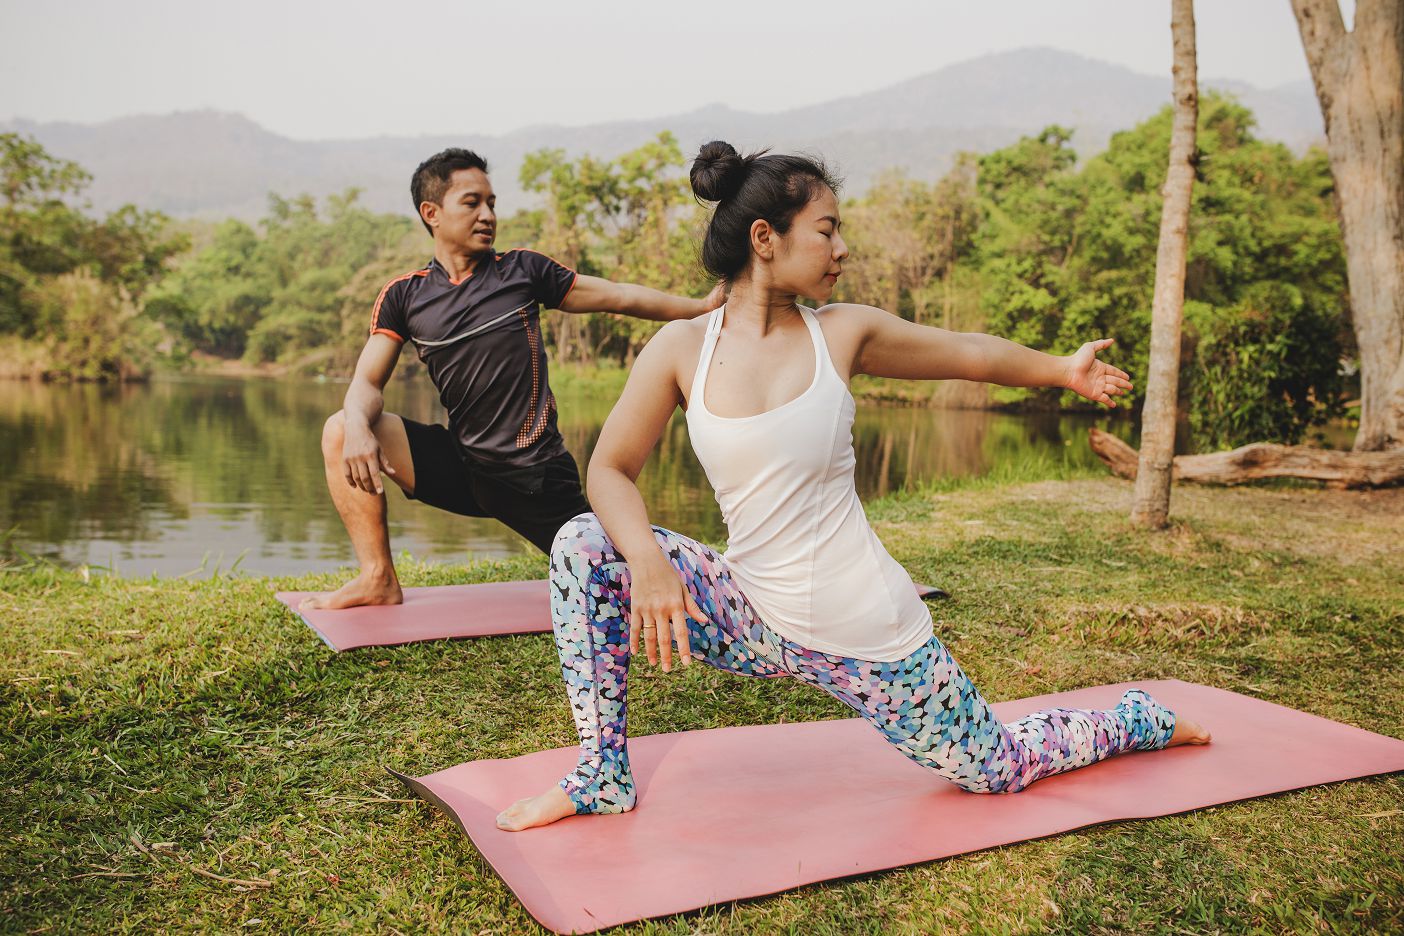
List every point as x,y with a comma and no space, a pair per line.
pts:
214,164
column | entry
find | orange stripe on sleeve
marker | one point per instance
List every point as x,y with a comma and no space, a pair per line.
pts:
375,311
575,278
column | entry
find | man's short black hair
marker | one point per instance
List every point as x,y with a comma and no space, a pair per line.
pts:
432,177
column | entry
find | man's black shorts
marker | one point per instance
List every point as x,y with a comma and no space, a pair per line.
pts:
534,501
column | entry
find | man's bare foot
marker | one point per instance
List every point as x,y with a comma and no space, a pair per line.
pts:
361,590
1188,732
536,811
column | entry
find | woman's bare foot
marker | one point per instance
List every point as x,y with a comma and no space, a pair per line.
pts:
536,811
362,590
1188,732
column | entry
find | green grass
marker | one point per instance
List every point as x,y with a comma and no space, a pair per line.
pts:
202,714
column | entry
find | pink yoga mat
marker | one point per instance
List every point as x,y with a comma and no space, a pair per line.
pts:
434,613
733,813
443,611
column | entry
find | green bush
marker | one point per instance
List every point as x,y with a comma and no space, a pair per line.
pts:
1266,368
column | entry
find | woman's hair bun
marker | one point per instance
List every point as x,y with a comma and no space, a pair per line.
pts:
717,172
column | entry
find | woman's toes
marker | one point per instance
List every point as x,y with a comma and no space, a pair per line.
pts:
1188,732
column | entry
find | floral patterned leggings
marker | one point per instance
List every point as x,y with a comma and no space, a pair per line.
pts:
923,704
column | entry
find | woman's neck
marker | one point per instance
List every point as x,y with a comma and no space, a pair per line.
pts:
756,306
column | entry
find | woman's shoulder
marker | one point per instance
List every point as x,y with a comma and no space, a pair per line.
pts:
849,313
680,335
847,324
673,346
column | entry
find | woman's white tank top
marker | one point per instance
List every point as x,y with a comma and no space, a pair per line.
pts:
798,541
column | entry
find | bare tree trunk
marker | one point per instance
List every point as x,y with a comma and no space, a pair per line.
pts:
1359,77
1263,460
1151,506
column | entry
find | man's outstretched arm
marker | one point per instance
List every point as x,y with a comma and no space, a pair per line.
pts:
592,294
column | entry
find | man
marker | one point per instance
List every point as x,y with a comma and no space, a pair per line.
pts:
473,316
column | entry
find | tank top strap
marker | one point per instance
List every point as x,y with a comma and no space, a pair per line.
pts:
704,360
816,334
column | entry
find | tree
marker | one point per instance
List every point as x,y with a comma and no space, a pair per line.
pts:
627,218
1151,506
69,284
905,237
1359,78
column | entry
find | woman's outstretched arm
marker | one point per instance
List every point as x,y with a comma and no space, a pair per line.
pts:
889,346
659,604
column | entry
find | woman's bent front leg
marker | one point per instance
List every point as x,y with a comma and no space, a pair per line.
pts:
590,616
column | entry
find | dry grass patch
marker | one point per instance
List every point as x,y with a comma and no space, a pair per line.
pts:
1159,625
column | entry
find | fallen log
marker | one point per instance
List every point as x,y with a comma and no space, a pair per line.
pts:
1263,460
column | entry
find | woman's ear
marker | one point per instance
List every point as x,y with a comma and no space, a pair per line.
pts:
762,239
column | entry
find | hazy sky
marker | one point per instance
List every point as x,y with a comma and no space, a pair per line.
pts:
311,69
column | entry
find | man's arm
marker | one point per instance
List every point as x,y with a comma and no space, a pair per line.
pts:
592,294
362,458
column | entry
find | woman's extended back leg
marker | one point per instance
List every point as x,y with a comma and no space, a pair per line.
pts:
929,709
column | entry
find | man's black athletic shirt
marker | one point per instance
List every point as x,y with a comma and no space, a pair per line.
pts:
481,340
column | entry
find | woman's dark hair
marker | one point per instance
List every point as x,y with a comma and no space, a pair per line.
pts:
745,188
431,180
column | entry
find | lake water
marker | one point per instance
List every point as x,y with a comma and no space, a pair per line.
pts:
188,475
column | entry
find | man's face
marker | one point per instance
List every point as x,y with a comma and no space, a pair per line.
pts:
467,219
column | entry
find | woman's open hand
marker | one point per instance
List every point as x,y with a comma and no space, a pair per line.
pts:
659,606
1096,380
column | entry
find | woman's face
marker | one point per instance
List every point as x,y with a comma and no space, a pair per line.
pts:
809,259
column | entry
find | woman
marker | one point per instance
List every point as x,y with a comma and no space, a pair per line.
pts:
805,588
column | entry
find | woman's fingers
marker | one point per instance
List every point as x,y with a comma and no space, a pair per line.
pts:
635,631
680,634
663,638
650,641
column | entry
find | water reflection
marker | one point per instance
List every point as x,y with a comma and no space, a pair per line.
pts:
167,477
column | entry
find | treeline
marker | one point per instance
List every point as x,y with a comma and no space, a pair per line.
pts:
1023,242
72,287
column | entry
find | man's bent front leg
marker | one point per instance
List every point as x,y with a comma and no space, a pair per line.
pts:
364,516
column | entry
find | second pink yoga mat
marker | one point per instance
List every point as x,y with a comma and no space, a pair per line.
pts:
434,613
733,813
441,612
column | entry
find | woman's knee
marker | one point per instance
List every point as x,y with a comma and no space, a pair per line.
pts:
580,534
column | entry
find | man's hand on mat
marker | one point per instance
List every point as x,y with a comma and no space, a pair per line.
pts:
363,460
1096,380
659,606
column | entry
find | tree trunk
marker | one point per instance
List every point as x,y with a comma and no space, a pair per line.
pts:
1359,78
1151,506
1264,460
